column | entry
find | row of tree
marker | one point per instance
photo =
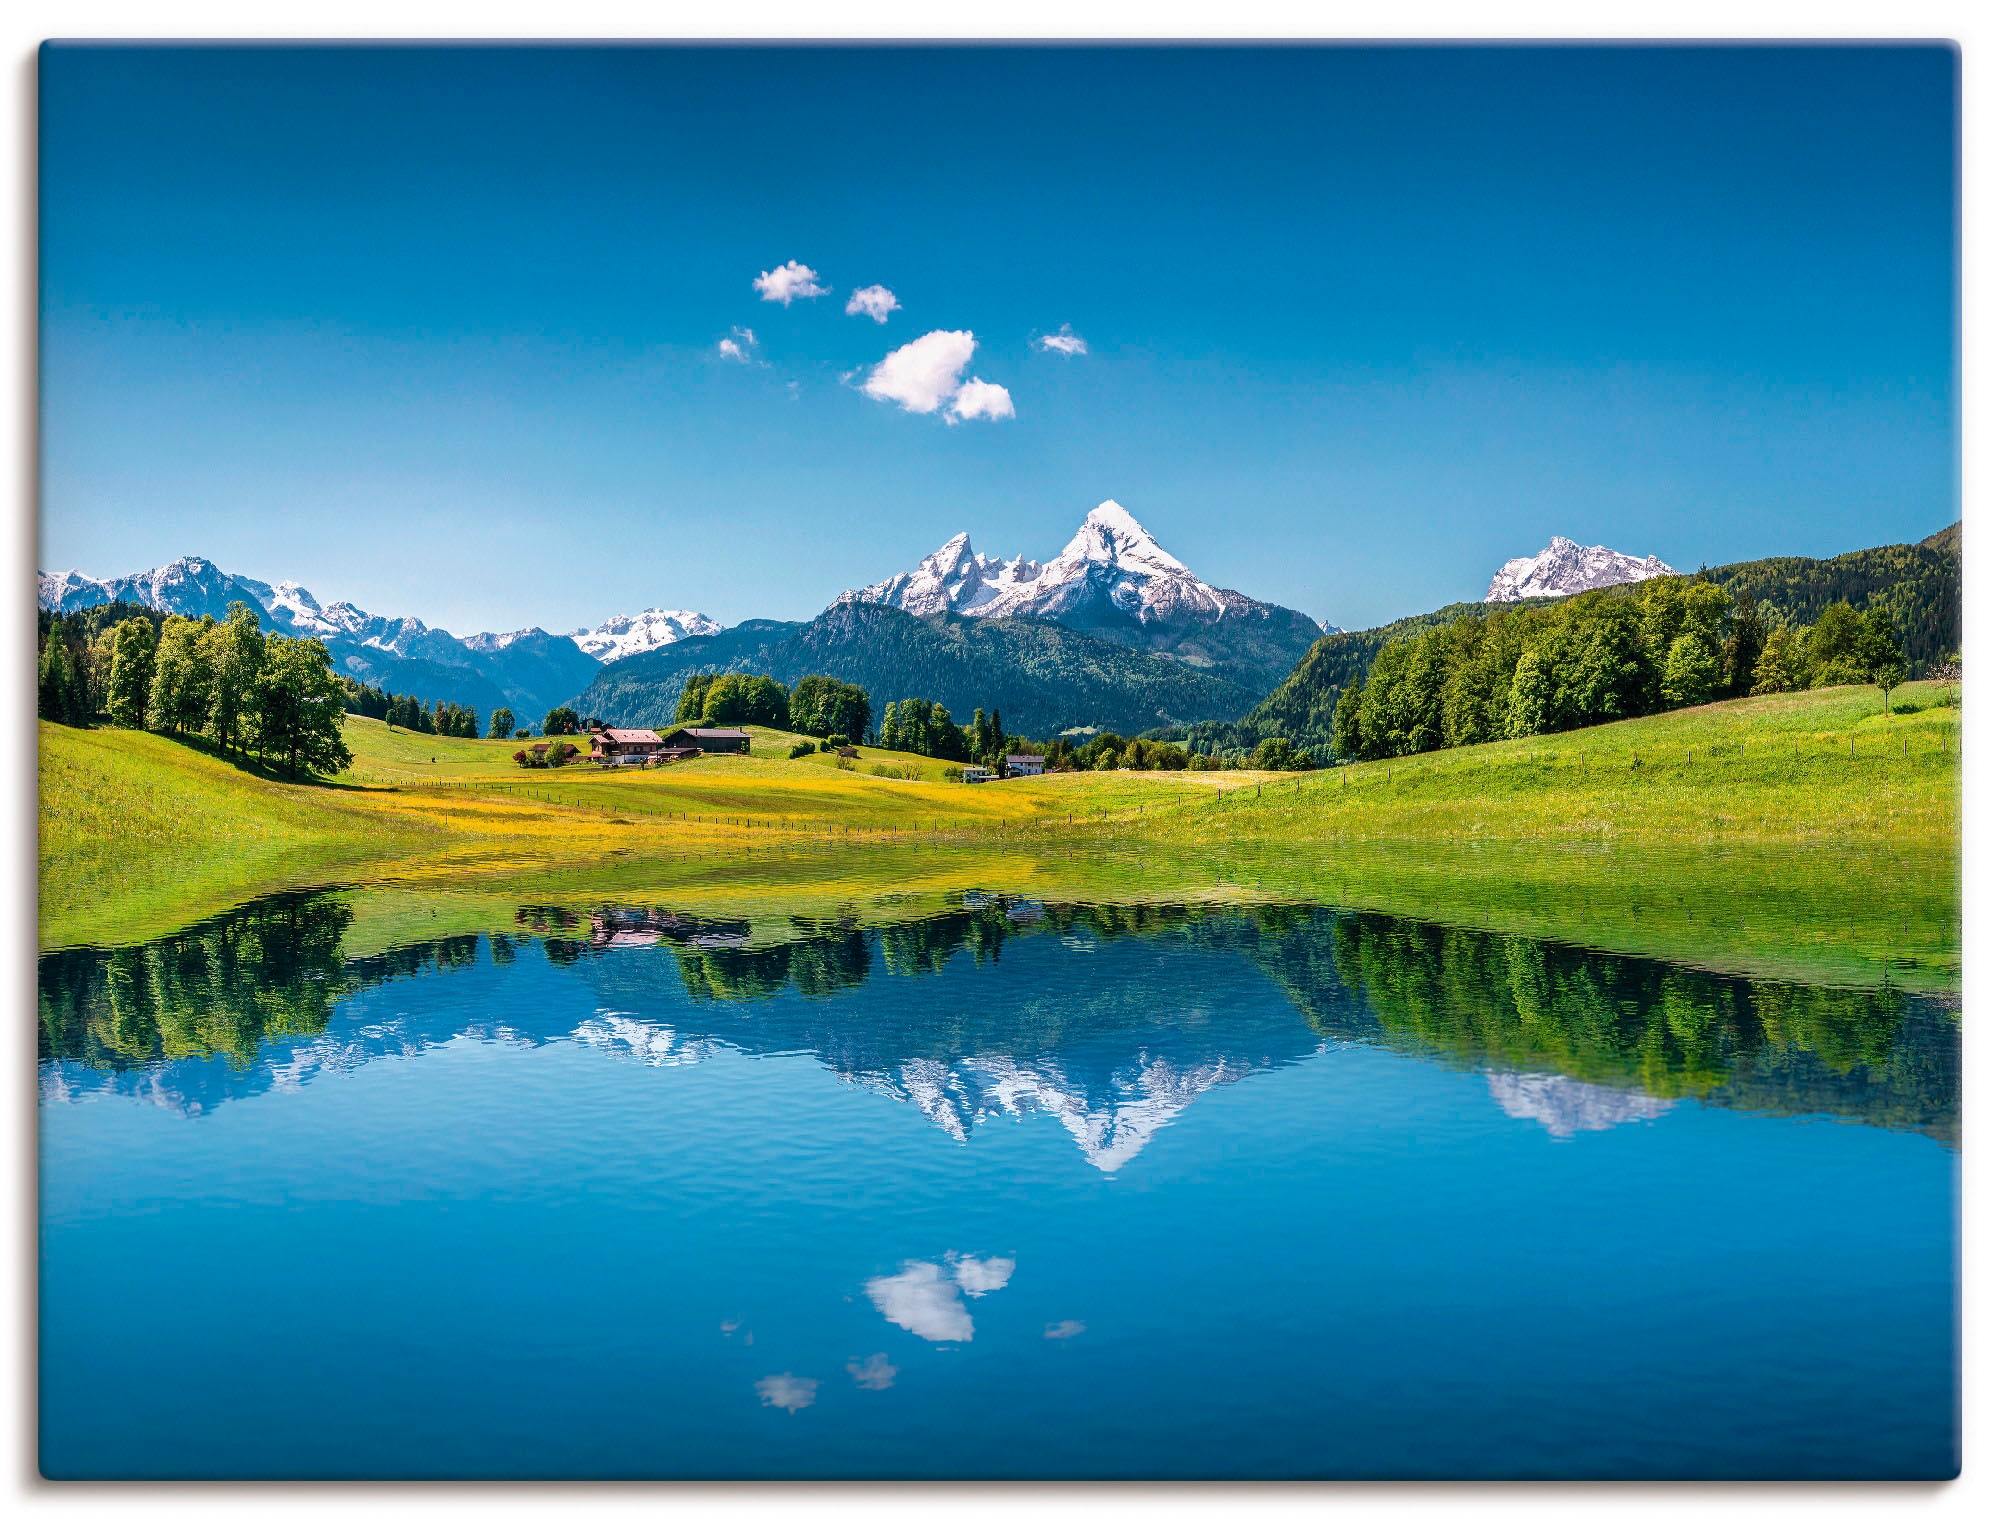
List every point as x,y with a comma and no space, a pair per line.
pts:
448,719
1596,658
818,704
917,726
248,692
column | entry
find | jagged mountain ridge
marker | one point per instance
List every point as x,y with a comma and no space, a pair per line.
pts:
620,636
529,670
1566,567
1113,581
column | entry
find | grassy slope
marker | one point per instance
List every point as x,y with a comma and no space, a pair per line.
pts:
1692,853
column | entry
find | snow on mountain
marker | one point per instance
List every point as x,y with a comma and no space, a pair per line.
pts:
1564,568
195,587
954,579
1112,564
1109,1125
654,628
1565,1106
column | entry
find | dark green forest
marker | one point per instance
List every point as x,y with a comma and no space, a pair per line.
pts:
1916,587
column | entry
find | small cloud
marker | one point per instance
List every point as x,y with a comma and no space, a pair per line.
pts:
739,345
788,1392
978,1277
1063,342
874,1374
923,374
790,281
1068,1329
923,1300
976,398
873,300
730,1326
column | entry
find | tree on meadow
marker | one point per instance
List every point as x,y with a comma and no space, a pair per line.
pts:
694,691
58,687
1693,675
183,682
560,720
1784,664
734,699
501,724
131,680
235,650
1742,646
297,709
1531,699
828,708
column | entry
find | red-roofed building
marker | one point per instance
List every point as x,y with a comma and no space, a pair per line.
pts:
624,746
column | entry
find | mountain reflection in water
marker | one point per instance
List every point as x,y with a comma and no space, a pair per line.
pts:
1031,1019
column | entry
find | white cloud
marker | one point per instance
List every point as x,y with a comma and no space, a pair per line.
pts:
787,1392
874,1374
1064,342
1067,1329
790,281
923,374
978,1277
923,1300
738,345
873,300
977,398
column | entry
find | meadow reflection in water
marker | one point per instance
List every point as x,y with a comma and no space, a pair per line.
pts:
1016,1188
1569,1038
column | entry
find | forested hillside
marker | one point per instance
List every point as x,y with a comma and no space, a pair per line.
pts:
1044,678
1917,585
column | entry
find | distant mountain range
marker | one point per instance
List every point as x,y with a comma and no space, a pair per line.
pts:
1113,632
1566,568
1041,676
530,670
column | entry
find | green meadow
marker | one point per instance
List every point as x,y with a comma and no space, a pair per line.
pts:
1810,836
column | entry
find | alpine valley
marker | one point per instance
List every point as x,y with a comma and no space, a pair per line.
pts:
1113,632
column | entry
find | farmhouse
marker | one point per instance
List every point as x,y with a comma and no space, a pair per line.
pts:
624,746
710,740
978,775
1022,764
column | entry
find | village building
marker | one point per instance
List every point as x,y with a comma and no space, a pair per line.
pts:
625,746
978,775
1023,764
710,740
848,751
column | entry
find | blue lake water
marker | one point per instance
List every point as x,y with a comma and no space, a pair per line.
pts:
1014,1190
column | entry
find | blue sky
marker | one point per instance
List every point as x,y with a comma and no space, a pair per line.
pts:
438,331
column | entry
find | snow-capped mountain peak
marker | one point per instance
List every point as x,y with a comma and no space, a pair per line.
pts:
955,578
1566,567
654,628
1112,535
1111,559
1114,565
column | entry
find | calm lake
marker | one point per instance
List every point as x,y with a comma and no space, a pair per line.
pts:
1011,1190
